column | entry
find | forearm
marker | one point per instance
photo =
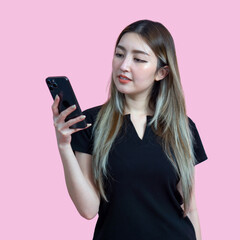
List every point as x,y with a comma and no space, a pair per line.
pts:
79,189
193,216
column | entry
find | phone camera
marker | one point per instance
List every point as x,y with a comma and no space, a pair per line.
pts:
48,81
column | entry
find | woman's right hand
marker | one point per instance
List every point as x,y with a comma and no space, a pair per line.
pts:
63,132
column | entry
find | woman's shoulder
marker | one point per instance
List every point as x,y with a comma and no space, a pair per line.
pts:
91,113
191,122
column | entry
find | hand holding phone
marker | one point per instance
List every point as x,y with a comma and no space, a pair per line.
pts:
61,86
62,128
67,118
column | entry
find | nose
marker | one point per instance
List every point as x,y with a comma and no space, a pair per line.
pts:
126,64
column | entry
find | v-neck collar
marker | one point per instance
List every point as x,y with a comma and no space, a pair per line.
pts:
134,133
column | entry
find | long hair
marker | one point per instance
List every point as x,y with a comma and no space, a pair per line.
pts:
169,122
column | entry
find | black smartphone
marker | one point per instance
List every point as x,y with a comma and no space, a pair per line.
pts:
60,85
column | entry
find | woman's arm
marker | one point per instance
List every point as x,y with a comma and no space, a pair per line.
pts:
79,181
77,169
193,213
193,216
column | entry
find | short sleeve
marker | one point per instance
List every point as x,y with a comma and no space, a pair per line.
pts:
82,141
199,150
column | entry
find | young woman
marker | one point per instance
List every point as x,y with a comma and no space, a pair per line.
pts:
134,163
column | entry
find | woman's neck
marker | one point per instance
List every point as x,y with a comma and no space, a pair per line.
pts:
137,106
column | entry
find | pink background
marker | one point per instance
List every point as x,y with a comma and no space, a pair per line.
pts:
76,39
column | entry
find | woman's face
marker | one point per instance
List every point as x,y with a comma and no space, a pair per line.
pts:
134,66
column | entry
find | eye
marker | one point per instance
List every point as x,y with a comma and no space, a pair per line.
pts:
139,60
118,55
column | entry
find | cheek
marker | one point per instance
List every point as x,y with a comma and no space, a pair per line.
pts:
149,67
146,72
115,64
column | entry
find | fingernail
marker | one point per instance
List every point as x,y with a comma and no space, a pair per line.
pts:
73,106
56,97
83,116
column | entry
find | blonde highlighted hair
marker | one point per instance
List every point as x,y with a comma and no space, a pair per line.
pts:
166,100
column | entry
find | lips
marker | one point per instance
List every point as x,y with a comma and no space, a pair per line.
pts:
123,79
121,76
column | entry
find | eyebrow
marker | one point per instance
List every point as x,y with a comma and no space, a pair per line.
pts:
133,51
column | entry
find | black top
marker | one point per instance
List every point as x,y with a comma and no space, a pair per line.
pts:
144,203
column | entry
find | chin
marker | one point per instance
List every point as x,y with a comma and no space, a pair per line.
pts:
124,89
121,90
119,87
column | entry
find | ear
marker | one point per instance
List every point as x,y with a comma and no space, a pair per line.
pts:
162,73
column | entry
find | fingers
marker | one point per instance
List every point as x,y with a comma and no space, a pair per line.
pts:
88,125
80,129
59,118
62,125
55,105
75,120
66,112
